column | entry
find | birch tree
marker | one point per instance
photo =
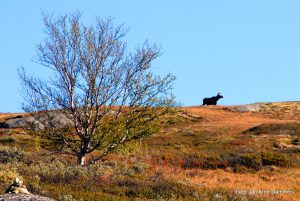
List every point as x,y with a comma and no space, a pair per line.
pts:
110,95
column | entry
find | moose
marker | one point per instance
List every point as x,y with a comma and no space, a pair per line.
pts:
213,100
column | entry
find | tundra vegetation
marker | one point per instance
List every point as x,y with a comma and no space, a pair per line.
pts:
114,103
200,153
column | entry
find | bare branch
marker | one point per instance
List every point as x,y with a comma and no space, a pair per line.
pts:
110,96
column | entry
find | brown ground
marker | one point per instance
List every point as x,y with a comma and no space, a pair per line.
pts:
216,131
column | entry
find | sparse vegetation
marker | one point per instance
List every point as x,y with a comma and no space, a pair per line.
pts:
8,154
277,159
203,156
275,129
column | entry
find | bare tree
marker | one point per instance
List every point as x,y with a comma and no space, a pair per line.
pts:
110,96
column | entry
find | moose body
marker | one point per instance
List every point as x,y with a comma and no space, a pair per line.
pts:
213,100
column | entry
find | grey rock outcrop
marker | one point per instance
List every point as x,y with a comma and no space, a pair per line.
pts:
39,122
17,187
249,107
17,191
23,197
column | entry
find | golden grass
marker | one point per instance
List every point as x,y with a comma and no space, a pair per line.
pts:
226,124
4,116
284,179
217,131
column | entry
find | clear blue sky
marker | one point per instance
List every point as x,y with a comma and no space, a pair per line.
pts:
249,50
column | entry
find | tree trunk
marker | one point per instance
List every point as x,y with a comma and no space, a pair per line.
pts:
81,159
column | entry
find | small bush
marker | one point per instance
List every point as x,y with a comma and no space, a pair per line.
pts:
156,187
8,154
276,159
8,140
275,129
136,169
129,147
192,161
214,162
58,171
204,162
8,174
242,162
172,121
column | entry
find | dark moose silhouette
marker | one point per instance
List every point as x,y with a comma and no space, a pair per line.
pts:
213,100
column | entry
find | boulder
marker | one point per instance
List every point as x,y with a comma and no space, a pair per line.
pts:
20,122
23,197
38,122
17,187
18,191
296,141
249,108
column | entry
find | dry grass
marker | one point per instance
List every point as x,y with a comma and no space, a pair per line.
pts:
205,135
284,179
4,116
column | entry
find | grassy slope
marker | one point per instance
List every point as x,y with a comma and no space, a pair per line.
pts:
201,154
220,131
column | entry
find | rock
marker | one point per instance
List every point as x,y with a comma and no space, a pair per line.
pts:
228,169
279,145
17,187
187,132
23,197
273,168
296,141
189,116
249,108
20,122
40,122
17,191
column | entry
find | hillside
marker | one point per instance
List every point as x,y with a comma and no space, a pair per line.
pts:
201,153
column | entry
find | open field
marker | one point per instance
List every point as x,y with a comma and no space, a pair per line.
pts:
201,153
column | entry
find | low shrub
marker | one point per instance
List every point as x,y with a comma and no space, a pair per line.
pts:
129,147
204,162
156,188
244,161
8,154
192,161
7,140
214,162
275,129
277,159
8,174
240,162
